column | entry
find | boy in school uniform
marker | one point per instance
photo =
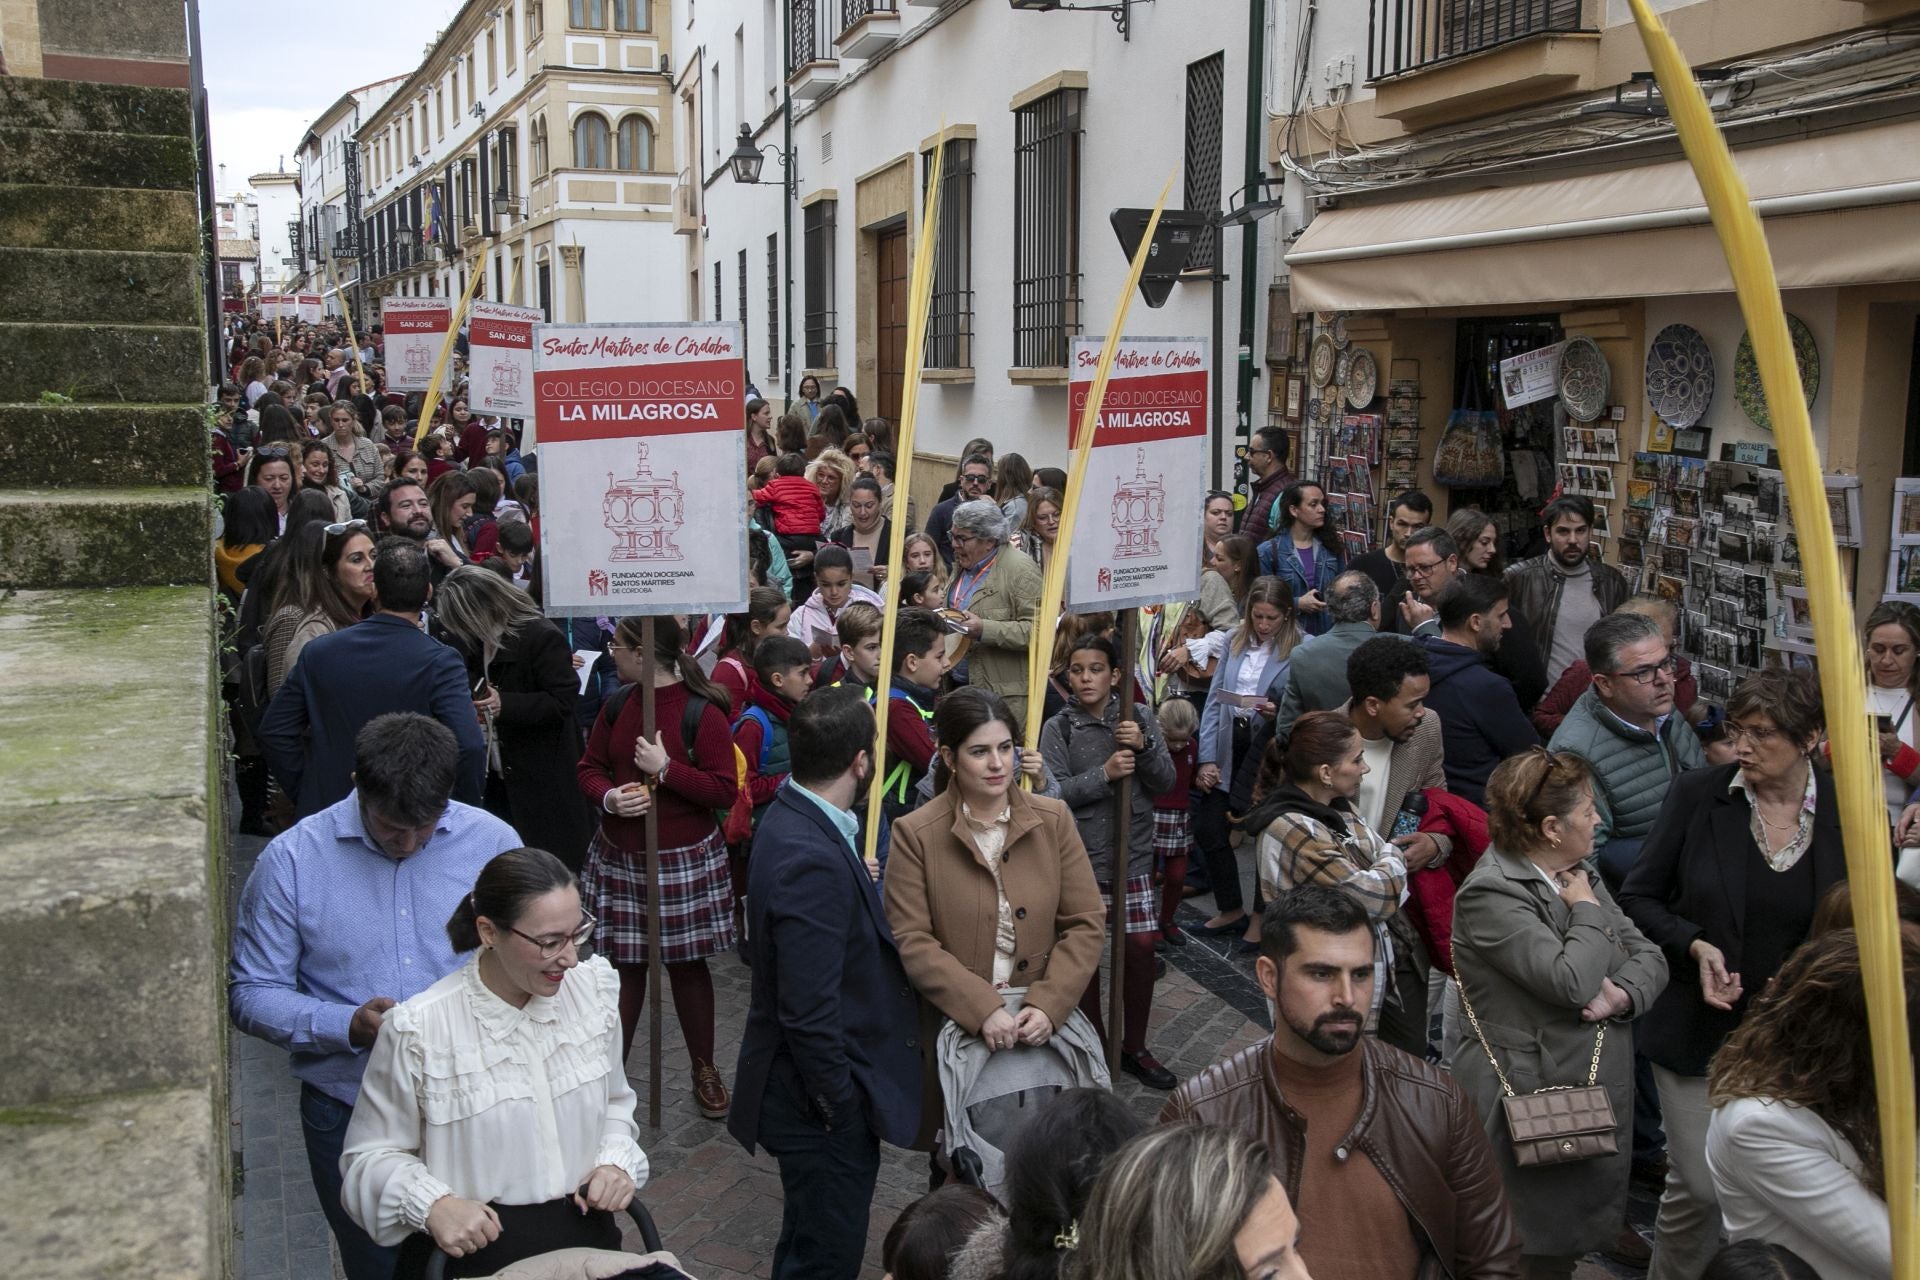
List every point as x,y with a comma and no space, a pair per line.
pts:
784,668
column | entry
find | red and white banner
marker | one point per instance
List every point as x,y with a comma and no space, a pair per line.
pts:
278,306
1136,536
643,456
500,358
415,328
312,308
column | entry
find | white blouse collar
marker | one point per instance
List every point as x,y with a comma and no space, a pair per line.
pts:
499,1018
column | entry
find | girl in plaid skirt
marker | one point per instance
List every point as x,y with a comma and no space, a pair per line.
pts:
1172,825
685,773
1088,749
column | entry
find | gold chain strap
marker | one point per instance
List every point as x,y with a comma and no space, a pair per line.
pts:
1460,983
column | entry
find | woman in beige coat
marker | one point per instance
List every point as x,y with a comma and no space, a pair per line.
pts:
989,887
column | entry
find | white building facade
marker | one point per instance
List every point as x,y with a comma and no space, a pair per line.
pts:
539,133
325,160
1052,119
277,199
237,240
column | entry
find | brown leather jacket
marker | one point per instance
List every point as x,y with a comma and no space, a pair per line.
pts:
1417,1127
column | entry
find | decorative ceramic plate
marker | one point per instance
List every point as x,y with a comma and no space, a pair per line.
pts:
1679,376
1316,410
1583,380
1343,367
1340,338
1324,318
1321,362
1363,379
1746,373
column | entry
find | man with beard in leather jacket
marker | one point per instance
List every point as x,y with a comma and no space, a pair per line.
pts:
1382,1155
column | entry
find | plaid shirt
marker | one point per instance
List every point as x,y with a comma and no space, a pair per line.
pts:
1297,849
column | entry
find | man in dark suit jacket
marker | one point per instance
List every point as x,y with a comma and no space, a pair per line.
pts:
384,663
830,1059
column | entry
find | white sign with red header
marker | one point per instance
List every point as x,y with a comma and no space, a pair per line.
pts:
277,306
415,328
1136,539
643,453
312,307
500,358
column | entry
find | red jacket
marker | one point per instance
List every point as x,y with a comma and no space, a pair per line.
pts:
797,506
1431,890
228,474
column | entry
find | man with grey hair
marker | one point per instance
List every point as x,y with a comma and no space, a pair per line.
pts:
996,590
1625,727
1317,675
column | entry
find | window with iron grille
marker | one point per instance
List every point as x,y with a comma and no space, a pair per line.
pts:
718,292
1046,229
773,306
1206,95
1407,35
744,327
817,239
950,311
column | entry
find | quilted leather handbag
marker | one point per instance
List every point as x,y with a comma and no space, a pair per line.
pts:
1560,1124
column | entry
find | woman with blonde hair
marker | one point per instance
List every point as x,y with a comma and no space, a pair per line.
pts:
1551,973
1247,687
1189,1202
1040,524
832,474
529,690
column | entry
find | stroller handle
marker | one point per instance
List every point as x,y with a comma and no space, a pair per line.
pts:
649,1236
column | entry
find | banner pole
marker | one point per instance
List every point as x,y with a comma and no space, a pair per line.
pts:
1856,764
346,311
432,402
1121,854
919,302
647,729
1046,619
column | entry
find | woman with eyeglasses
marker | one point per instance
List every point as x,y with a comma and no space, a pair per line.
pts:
1891,636
1040,526
526,690
1726,884
495,1121
327,584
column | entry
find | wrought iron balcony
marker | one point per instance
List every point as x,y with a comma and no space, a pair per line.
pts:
1411,35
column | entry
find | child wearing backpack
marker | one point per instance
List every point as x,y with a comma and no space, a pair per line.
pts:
1088,748
919,664
684,777
783,668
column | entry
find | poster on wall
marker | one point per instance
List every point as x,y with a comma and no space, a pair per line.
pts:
415,328
1136,538
312,307
277,306
500,358
641,454
1531,376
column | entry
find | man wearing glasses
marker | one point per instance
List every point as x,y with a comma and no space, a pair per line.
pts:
976,477
1625,727
1267,460
344,916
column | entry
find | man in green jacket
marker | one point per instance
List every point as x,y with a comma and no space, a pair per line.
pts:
1626,727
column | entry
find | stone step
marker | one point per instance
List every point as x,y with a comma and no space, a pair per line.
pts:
142,364
62,158
107,843
99,218
90,445
91,107
98,284
105,538
157,1153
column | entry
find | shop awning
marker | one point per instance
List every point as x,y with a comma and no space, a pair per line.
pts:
1840,209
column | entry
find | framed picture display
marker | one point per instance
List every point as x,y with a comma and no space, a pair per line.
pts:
1280,330
1296,397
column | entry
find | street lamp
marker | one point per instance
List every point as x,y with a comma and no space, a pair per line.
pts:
1122,12
746,161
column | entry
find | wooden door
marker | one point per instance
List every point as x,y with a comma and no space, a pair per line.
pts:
891,324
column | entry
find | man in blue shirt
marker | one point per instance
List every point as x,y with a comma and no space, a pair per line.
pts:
382,664
343,917
830,1059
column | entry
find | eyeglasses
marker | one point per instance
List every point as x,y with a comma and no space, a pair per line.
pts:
271,451
551,947
1422,570
345,526
1759,737
974,480
1646,675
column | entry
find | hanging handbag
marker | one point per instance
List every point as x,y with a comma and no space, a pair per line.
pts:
1192,625
1470,455
1560,1124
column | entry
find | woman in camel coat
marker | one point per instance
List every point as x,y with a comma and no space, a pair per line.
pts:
987,888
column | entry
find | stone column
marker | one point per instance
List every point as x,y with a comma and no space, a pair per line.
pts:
571,256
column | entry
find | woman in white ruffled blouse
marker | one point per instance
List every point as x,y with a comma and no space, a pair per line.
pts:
495,1119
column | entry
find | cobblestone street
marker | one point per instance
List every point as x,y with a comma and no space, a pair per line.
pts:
717,1208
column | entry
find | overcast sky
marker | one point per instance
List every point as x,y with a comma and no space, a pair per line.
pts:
273,66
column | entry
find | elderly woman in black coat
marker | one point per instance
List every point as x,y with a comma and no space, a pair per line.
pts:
1726,885
525,689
